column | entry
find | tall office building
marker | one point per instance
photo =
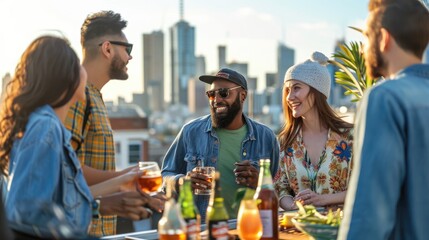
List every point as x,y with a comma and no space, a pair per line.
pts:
252,83
336,96
221,50
270,79
197,95
153,71
285,60
197,100
182,52
200,66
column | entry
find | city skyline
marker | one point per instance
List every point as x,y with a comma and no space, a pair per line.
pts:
250,30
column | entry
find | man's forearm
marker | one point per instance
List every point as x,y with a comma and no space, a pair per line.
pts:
94,176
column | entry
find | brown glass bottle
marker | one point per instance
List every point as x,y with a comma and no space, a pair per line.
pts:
268,202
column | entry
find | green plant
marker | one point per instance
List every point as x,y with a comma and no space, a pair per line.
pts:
351,73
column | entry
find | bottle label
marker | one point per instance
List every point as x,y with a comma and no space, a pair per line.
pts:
192,228
267,223
218,230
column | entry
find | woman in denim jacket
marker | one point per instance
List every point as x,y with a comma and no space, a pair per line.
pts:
46,189
35,146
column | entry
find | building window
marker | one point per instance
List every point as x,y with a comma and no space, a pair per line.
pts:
134,153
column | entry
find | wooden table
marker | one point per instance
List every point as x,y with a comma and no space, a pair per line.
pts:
290,234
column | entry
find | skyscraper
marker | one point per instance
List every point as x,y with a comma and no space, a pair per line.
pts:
336,96
285,60
153,70
196,89
200,65
182,51
270,79
221,50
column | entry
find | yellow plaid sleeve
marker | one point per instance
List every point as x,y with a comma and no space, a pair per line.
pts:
74,123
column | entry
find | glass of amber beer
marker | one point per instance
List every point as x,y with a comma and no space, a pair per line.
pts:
210,173
150,179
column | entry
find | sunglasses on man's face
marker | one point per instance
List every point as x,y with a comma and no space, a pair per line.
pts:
128,46
223,92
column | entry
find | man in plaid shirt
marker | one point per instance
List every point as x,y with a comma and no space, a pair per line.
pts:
106,53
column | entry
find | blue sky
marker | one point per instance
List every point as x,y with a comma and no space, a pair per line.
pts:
250,29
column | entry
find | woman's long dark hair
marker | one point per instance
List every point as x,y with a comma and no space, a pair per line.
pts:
328,118
47,73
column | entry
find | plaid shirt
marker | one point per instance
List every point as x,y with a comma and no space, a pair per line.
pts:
97,149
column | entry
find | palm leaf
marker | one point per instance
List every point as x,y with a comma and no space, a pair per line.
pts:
351,73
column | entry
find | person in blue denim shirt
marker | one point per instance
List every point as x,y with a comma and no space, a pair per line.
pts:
47,195
388,194
226,139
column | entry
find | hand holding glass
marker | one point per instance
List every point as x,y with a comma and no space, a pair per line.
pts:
150,179
209,172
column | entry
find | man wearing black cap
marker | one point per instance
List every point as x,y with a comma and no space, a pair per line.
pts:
226,139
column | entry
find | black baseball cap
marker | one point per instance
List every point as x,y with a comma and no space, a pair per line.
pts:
227,74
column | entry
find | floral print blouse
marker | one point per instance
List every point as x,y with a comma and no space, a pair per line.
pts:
330,175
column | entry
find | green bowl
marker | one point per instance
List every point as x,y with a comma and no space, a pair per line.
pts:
317,231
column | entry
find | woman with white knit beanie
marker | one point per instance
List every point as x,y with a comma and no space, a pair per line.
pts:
315,143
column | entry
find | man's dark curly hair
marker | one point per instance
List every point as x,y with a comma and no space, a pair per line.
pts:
101,24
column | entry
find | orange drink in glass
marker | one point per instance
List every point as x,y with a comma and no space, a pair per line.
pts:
150,179
249,225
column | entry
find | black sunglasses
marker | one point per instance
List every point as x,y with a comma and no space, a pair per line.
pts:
128,46
223,92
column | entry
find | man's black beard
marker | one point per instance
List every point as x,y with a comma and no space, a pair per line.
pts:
223,120
116,70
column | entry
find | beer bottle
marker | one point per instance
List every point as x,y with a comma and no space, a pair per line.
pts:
217,216
268,202
171,226
189,210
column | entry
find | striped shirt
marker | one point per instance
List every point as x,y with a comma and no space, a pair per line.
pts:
97,145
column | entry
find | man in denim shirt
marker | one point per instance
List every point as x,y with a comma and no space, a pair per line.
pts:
388,195
226,139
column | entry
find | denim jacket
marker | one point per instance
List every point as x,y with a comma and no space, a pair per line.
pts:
388,194
198,142
44,175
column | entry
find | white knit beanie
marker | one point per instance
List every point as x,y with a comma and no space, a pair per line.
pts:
312,72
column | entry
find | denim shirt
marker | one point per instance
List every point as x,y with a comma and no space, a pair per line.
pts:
44,175
388,195
198,142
